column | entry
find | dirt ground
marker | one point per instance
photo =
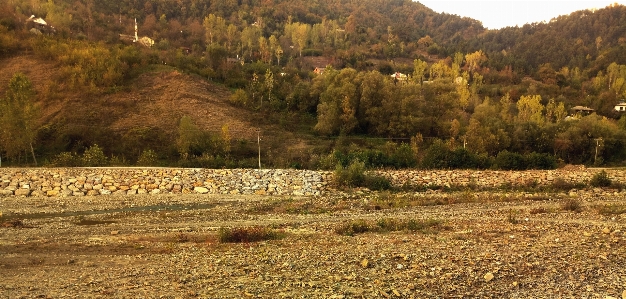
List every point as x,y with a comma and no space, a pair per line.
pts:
480,245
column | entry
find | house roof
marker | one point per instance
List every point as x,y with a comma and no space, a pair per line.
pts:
37,20
581,108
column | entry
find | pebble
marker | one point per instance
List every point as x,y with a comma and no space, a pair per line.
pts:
488,277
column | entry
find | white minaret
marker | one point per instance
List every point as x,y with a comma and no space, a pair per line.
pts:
136,37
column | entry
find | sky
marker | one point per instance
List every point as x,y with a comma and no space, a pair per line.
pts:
498,14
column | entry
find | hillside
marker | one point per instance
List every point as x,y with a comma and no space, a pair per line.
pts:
401,85
150,107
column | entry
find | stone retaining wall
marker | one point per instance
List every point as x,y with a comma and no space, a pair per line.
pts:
103,181
496,178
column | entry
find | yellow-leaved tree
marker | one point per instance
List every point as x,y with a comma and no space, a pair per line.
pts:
18,116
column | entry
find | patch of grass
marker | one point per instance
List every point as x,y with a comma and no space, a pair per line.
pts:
611,209
572,205
247,234
298,207
512,217
539,210
182,238
390,200
560,184
428,226
354,227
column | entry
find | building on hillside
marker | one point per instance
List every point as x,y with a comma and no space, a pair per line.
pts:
39,26
621,107
399,77
319,70
581,110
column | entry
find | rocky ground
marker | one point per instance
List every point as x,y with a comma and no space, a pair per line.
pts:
472,245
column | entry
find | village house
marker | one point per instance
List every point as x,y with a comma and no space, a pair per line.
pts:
621,107
581,110
39,26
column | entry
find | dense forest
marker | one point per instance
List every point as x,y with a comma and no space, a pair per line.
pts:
395,83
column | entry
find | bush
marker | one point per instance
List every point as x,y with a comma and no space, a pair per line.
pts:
353,228
427,226
540,161
403,157
65,159
377,183
353,176
600,179
510,161
437,156
612,209
247,234
93,156
147,158
560,184
572,205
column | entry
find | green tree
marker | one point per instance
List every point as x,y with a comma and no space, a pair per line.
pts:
188,136
18,115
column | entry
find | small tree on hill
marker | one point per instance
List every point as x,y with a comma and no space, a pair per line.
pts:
18,114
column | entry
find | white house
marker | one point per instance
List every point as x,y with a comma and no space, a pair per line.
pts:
621,107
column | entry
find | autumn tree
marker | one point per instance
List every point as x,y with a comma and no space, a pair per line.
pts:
530,109
555,113
18,116
299,34
419,70
214,27
475,60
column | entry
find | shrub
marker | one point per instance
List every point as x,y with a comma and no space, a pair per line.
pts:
424,226
600,179
147,158
353,228
93,156
539,210
360,226
353,176
403,157
65,159
247,234
540,161
437,156
510,161
377,183
560,184
612,209
572,205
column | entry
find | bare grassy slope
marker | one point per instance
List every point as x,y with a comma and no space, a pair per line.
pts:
155,99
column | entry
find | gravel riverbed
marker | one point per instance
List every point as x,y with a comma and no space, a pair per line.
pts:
166,246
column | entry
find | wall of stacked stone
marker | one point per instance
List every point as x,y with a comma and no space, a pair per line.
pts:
130,181
495,178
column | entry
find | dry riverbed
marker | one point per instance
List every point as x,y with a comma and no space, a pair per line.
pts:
342,245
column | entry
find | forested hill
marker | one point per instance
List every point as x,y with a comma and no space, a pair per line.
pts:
588,40
388,82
